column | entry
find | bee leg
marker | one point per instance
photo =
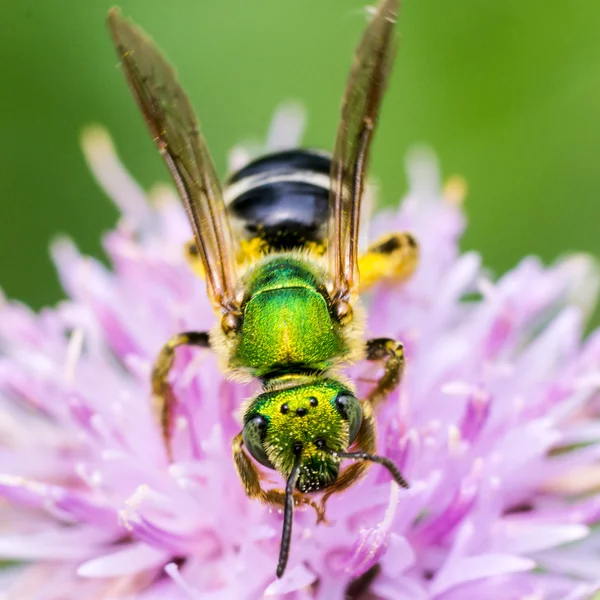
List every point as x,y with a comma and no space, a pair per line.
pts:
393,353
377,349
192,256
162,394
249,252
365,442
394,256
251,476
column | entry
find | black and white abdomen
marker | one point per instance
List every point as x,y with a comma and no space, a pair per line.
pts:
281,198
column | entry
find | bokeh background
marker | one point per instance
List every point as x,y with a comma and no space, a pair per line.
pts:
506,91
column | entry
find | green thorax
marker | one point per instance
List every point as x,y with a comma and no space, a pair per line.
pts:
286,320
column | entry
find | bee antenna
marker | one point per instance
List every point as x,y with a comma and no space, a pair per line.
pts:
288,516
386,462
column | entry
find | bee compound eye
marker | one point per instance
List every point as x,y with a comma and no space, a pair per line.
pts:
253,435
350,410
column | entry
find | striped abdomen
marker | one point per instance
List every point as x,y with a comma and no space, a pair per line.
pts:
281,198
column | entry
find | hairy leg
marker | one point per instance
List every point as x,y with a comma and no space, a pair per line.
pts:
250,477
392,352
365,442
394,256
249,252
162,394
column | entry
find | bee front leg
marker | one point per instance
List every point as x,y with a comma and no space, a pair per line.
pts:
392,352
251,476
365,442
162,393
363,451
394,256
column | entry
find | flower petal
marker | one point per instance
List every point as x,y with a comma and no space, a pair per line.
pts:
478,567
129,560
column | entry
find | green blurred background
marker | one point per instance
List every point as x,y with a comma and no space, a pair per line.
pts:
506,91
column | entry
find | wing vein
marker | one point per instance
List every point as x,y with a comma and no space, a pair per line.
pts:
359,115
171,120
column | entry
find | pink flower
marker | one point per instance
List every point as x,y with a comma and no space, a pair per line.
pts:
495,426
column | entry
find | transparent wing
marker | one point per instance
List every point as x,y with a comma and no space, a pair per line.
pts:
174,127
360,109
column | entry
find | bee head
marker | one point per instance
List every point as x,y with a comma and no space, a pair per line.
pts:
303,431
309,424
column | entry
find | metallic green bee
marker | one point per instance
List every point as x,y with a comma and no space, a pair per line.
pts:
286,288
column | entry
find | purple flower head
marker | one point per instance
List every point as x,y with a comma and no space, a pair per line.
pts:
495,426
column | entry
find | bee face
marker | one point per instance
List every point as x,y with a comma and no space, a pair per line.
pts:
314,421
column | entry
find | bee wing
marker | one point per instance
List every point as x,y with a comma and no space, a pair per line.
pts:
171,120
360,109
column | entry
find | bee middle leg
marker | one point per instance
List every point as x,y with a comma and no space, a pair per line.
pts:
365,442
190,251
162,393
251,476
392,352
364,451
394,257
249,252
